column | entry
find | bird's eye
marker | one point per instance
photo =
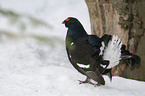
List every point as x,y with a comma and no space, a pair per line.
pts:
67,19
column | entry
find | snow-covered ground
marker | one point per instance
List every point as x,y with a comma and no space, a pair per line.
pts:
34,66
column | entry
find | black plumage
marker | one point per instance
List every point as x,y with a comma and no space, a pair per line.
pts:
85,52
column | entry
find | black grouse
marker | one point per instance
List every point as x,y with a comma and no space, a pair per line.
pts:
93,56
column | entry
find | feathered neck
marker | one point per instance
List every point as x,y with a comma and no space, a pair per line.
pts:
76,31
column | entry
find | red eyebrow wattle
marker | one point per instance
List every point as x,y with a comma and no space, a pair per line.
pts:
67,19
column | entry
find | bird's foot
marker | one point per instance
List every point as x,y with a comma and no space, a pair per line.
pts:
97,85
83,82
86,81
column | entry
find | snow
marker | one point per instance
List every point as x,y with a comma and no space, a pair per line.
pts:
32,67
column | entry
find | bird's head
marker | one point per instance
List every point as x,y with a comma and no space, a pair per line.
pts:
70,21
75,28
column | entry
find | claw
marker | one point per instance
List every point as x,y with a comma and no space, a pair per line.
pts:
82,82
89,82
86,81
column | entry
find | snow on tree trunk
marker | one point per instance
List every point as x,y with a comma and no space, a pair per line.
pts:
124,18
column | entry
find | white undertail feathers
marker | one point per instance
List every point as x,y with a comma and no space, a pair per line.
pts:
112,52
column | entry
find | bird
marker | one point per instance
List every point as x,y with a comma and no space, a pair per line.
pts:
93,56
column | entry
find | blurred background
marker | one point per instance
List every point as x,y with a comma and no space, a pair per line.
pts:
37,24
40,17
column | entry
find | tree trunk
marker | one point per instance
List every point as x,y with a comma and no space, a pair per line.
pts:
124,18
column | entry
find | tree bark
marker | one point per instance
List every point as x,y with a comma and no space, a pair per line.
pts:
124,18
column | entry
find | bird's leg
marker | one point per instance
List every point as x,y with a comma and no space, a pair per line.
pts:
86,81
108,72
110,76
97,84
104,62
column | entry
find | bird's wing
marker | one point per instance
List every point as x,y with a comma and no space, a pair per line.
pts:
95,75
99,44
93,40
73,62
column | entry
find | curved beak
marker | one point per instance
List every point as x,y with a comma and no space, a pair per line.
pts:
63,22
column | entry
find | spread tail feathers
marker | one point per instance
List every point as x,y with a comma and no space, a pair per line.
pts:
129,57
112,52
